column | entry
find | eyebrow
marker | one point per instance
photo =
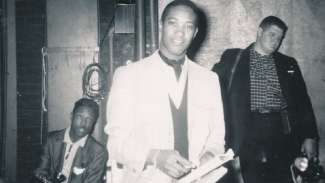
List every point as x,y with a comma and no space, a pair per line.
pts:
175,18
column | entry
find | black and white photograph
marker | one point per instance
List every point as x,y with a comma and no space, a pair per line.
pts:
162,91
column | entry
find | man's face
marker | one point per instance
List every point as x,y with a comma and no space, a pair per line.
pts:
177,32
269,39
82,124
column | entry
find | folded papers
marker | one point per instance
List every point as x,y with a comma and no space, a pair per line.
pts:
210,171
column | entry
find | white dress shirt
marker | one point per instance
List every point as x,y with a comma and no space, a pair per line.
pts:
175,86
70,152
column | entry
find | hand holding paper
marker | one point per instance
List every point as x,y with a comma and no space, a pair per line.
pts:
210,171
173,164
207,156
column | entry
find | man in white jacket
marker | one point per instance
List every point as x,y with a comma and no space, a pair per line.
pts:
165,114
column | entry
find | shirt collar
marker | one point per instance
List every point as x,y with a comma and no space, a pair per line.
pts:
171,62
258,55
81,142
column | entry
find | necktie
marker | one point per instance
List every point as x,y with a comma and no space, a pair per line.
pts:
176,64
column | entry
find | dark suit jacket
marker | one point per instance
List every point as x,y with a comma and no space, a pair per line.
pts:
92,158
237,99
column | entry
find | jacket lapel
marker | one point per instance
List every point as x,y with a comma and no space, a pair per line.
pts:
241,80
240,98
61,156
59,149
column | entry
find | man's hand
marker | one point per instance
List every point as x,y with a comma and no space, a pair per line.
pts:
39,176
40,173
309,147
206,157
173,164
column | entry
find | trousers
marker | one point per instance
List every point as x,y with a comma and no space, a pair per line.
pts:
266,154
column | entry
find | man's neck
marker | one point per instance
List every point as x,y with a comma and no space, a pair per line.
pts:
75,139
172,57
260,51
72,138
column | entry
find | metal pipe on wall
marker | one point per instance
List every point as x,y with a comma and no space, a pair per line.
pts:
153,9
111,53
140,32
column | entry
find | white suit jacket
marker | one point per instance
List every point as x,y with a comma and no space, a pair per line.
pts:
139,117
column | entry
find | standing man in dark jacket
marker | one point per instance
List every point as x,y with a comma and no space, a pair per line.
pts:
72,155
269,116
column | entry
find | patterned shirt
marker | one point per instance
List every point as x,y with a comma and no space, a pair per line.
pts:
265,88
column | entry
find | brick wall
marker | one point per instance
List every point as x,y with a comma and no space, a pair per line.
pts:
31,36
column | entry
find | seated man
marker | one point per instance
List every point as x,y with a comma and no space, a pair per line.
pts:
72,154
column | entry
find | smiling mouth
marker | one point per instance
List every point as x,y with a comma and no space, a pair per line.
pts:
178,42
81,130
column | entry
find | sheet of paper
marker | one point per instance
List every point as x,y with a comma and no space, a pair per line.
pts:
213,176
209,167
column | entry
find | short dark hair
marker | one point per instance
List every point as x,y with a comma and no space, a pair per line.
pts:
85,102
186,3
273,20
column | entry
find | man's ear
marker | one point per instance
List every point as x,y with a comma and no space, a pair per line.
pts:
196,31
160,26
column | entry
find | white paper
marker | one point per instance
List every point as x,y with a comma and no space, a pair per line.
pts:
213,167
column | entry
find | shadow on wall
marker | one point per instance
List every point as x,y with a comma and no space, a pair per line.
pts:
318,11
201,35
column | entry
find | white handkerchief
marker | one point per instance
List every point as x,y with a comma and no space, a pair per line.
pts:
291,71
78,170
